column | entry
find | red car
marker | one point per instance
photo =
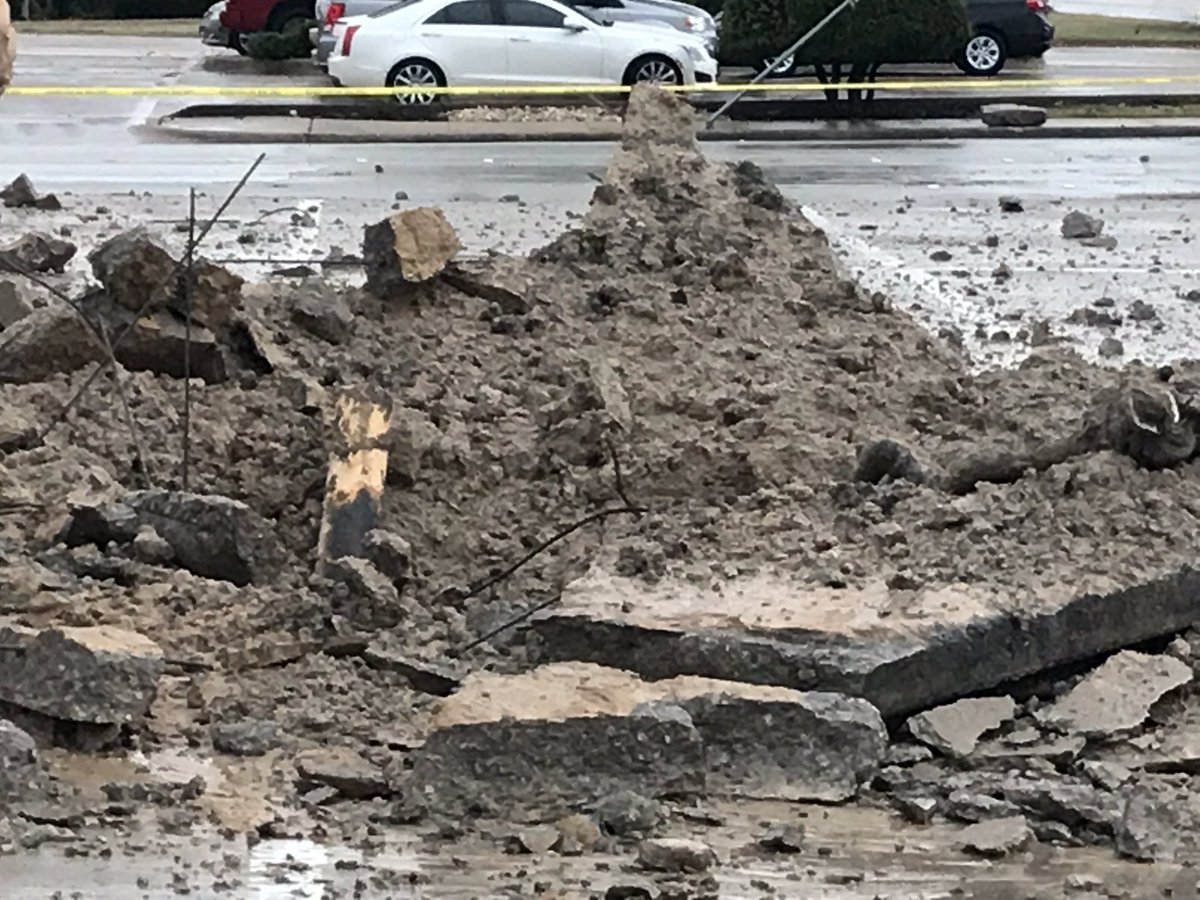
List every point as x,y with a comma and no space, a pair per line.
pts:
248,16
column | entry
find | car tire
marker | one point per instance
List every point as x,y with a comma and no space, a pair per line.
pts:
653,69
416,72
985,54
789,69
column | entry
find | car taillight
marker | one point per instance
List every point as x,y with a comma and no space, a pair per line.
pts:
335,12
348,39
1036,5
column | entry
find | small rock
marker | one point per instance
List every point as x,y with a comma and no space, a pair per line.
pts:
783,839
626,812
1010,204
1103,242
991,241
676,855
1002,273
941,256
577,834
320,309
997,837
955,729
425,677
537,839
1012,115
510,198
918,810
373,602
1082,882
20,194
1111,348
248,737
1141,311
150,547
40,253
1076,225
390,554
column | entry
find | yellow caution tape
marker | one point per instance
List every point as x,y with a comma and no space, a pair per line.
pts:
956,84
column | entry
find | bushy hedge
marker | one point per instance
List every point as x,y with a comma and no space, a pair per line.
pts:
873,32
291,43
113,9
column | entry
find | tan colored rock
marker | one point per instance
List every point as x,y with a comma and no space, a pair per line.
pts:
406,249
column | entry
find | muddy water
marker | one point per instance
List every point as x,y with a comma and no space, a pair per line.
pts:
850,853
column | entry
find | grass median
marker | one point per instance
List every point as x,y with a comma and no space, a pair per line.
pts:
1073,30
114,27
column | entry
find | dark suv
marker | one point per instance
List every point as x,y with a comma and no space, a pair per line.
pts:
1004,30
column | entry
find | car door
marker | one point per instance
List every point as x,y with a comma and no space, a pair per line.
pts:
551,44
466,39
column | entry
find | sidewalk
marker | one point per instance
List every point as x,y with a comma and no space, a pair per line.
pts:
288,130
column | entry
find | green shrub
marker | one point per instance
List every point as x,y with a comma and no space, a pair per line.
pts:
291,43
874,32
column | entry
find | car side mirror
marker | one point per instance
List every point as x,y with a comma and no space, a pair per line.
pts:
574,27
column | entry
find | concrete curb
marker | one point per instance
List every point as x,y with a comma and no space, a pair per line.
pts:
259,130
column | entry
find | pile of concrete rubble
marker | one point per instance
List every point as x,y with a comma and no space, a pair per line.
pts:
734,482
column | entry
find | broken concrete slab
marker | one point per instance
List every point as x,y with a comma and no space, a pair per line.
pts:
371,601
904,653
37,252
407,249
1161,820
157,343
390,554
1012,115
1079,225
955,729
342,769
997,837
245,737
1117,696
210,535
100,675
687,735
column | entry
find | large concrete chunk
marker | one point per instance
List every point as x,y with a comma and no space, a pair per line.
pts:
21,772
14,303
583,732
955,729
406,249
99,676
1117,696
903,652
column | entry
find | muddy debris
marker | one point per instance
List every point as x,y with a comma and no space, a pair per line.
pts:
665,522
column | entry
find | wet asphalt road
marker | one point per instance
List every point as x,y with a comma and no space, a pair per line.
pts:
104,121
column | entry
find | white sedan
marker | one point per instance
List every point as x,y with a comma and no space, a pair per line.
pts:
439,43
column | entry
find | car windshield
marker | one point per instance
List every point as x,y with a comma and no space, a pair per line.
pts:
391,8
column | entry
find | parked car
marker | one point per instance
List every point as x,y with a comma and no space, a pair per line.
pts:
436,43
1004,30
683,16
226,24
1001,30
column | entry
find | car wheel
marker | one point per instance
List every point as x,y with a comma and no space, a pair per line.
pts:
781,65
416,73
984,55
653,70
287,12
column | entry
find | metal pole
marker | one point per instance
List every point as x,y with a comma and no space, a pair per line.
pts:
813,32
187,340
